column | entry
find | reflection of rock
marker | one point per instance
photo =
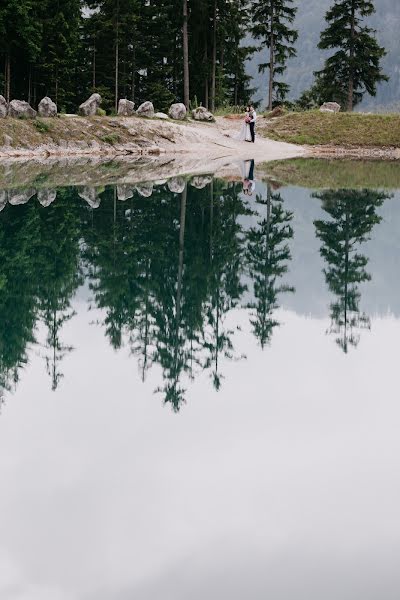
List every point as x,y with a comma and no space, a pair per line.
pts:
46,197
89,108
3,107
146,110
47,108
126,108
161,115
160,182
177,111
202,114
176,185
21,110
90,195
16,197
3,199
145,189
124,192
200,182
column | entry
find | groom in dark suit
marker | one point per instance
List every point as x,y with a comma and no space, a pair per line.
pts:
253,118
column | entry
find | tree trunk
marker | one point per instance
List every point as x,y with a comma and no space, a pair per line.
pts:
8,77
94,63
351,59
116,58
271,59
214,58
186,95
206,90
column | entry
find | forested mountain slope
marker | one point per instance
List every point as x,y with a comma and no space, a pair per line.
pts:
310,21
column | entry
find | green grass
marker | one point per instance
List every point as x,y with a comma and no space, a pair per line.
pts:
111,138
335,173
342,129
41,126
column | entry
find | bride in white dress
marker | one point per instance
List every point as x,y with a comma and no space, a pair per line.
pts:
244,134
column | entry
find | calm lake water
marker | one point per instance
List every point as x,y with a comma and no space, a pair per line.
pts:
200,393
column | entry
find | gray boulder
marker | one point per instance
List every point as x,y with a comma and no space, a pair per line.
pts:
16,197
330,107
3,199
21,110
89,194
126,108
146,110
3,107
161,115
202,114
89,108
176,185
46,197
177,111
145,189
201,181
124,192
47,108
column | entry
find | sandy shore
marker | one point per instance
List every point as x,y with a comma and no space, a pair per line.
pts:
108,136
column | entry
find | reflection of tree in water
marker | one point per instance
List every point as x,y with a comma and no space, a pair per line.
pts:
352,218
18,303
59,275
268,254
166,273
225,271
39,257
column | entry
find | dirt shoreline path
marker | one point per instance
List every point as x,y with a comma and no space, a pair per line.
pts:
111,136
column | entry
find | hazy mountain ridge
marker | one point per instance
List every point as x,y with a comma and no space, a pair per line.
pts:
310,22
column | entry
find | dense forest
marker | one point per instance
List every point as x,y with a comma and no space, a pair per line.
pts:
202,51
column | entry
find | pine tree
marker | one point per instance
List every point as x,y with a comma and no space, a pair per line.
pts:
268,254
273,21
353,214
355,68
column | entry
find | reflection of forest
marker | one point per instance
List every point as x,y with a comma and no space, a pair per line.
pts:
352,217
165,270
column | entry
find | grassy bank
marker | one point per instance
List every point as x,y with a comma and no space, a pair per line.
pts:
334,173
342,129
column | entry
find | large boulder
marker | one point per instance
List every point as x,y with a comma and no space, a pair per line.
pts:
126,108
124,192
89,108
145,189
47,108
3,199
46,197
90,195
201,181
145,110
18,196
202,114
177,111
21,110
176,185
3,107
330,107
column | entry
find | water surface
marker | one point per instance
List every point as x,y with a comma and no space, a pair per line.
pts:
199,391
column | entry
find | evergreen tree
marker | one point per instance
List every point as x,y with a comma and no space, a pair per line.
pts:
355,68
273,25
353,214
268,253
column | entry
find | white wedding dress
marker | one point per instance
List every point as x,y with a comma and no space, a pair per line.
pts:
244,134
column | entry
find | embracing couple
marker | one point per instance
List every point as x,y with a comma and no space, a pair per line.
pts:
247,132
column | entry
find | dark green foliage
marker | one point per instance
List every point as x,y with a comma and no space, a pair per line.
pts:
352,217
355,67
273,25
268,256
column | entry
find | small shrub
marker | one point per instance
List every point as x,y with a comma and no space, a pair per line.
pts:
100,112
110,138
41,126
